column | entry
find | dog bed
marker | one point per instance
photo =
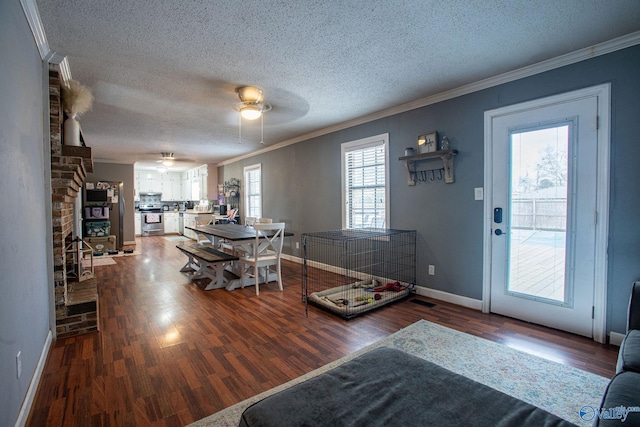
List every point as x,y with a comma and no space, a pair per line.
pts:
359,297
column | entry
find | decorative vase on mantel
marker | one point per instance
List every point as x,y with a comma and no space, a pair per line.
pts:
76,100
72,131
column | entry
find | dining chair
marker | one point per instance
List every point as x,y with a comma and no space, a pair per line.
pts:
264,220
249,220
231,217
203,220
267,249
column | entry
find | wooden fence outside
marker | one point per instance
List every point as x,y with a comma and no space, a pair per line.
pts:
539,214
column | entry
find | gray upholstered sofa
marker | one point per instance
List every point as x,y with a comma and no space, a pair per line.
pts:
623,391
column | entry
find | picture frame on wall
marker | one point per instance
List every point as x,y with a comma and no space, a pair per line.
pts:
428,142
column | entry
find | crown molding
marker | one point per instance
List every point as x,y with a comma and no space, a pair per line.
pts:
62,63
37,29
604,48
35,23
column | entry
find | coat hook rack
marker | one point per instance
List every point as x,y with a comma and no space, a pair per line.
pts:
431,175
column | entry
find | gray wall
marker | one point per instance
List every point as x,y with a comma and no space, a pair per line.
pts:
301,182
118,172
25,217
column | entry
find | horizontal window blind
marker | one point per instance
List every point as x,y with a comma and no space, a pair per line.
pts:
253,190
365,186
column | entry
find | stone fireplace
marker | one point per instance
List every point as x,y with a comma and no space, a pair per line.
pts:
76,302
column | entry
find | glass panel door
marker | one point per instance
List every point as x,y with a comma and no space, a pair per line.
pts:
538,213
543,197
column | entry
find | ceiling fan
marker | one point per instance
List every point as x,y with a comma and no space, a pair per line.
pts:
168,159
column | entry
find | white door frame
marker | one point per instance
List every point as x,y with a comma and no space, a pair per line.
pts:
603,93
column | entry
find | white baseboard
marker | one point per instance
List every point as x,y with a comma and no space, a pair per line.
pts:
447,297
293,258
615,338
33,385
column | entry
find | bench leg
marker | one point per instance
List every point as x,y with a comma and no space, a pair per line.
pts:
215,271
189,265
200,273
203,269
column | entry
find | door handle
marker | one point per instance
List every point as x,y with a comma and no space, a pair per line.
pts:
498,232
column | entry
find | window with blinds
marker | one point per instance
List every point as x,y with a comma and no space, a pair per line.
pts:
365,183
253,190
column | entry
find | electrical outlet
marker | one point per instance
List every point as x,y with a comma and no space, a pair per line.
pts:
19,363
432,270
297,245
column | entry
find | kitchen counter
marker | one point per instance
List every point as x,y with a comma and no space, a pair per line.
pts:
194,212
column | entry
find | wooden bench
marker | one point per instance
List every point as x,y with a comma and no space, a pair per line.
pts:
207,261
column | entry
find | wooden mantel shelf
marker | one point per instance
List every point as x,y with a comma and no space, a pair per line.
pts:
445,155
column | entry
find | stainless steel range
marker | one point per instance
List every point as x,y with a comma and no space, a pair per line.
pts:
152,219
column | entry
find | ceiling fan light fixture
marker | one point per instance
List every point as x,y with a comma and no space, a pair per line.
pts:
168,158
251,107
251,112
250,94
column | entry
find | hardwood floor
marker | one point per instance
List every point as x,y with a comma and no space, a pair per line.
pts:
169,353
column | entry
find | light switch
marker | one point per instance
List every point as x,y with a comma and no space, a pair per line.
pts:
478,193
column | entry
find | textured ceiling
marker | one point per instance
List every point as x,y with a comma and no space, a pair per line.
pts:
164,73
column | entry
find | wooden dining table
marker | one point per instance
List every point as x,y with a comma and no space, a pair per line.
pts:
240,237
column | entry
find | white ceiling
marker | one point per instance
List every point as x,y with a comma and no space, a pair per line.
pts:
164,73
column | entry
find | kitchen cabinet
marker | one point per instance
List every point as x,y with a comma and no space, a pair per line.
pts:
171,222
203,175
176,186
171,187
137,218
148,182
189,221
136,185
186,185
168,183
199,183
202,182
203,187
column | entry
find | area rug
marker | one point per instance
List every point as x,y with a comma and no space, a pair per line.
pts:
560,389
176,238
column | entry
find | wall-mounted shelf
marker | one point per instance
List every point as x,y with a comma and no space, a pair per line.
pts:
446,156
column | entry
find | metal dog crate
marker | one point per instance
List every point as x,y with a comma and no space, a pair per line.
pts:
349,272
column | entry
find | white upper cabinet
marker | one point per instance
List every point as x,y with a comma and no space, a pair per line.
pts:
197,182
171,187
194,184
167,183
148,182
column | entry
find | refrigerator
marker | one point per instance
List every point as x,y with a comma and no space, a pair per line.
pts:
109,195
